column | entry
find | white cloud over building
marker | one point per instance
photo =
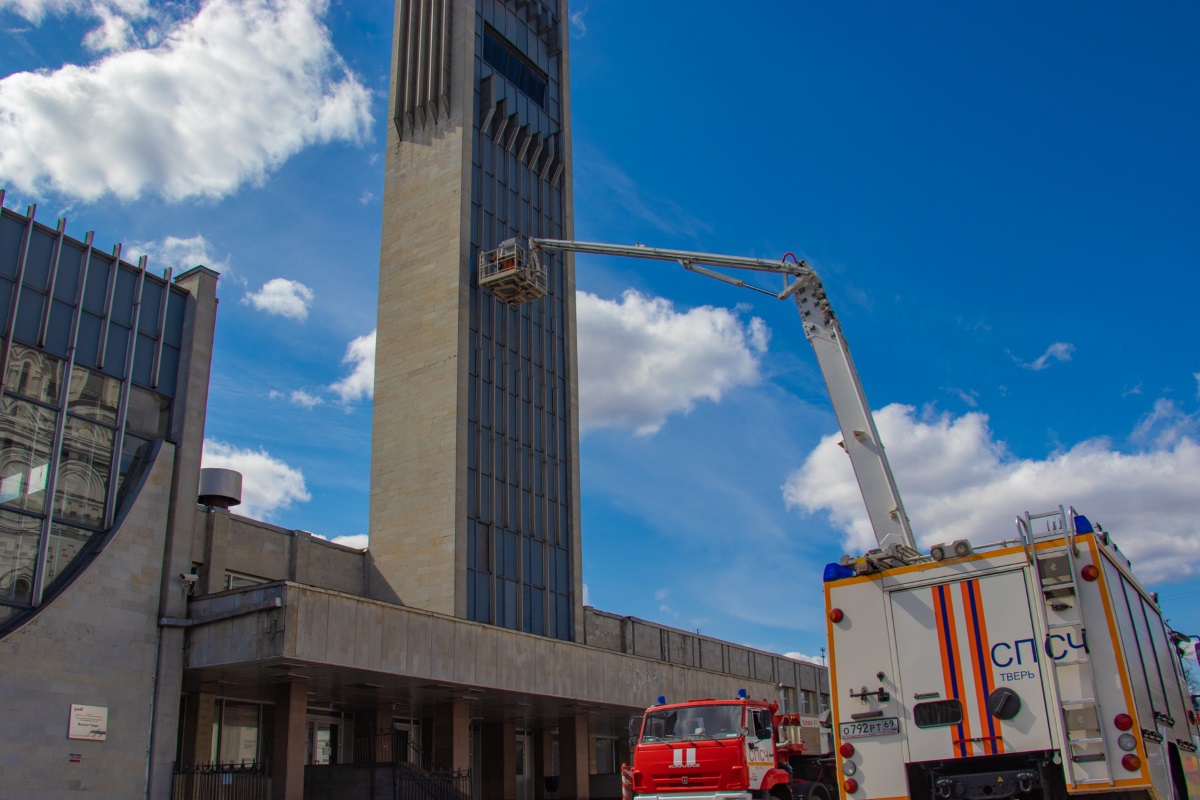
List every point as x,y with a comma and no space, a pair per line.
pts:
959,482
268,484
360,383
640,360
220,100
283,297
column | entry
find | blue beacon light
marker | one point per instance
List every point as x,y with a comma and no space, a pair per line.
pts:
742,694
835,572
662,700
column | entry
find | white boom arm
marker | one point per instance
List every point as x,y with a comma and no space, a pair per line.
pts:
824,333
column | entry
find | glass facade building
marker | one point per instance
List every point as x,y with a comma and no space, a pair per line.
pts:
519,425
90,360
476,400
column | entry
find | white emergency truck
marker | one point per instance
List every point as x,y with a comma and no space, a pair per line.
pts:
1033,667
1036,667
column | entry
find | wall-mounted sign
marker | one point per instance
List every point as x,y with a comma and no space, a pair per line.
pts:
88,722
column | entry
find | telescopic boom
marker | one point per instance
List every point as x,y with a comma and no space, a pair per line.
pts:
515,279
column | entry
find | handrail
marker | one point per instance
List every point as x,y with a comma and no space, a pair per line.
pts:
1026,535
1073,531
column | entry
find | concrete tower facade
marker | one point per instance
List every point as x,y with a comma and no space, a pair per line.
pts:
474,475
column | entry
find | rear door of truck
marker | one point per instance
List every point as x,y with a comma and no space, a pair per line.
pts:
958,642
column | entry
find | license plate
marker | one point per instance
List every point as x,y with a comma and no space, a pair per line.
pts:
869,727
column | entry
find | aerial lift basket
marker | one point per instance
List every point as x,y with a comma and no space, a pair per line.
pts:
511,274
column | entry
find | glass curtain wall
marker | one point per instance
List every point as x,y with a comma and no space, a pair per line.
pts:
519,512
89,358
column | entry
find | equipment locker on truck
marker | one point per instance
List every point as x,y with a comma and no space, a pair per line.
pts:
1036,666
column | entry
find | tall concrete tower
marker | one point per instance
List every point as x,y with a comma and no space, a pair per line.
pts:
474,473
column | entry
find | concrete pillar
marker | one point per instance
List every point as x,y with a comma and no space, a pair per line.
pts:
288,751
373,735
216,551
573,755
450,736
199,716
498,761
543,763
187,429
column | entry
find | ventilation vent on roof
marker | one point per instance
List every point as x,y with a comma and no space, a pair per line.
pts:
220,488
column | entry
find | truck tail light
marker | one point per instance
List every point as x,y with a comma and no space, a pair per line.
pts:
1089,572
850,785
846,750
737,776
1123,722
836,615
639,780
1131,762
1127,742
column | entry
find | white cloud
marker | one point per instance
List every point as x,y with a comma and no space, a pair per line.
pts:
360,383
1196,375
357,540
578,25
115,18
818,660
969,396
268,484
297,397
640,360
303,399
223,99
177,253
1059,351
281,296
959,482
1165,425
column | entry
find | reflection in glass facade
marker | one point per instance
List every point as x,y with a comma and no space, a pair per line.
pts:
519,456
89,356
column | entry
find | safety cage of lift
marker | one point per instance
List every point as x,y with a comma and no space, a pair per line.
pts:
512,274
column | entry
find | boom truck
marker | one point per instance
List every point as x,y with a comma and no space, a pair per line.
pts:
1035,666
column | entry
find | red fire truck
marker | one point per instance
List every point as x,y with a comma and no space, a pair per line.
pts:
731,749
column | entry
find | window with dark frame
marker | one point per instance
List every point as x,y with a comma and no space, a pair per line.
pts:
937,714
504,57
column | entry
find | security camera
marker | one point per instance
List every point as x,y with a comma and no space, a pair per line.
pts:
189,577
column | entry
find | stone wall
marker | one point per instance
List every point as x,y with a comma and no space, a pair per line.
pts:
95,645
226,543
637,637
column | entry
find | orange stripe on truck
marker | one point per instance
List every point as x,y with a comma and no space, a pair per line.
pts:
947,628
984,679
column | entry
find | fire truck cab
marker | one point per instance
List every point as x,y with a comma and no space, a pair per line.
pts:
735,749
705,748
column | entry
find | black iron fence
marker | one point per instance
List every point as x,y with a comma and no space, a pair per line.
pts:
386,765
250,781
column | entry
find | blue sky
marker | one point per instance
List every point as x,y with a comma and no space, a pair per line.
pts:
1001,200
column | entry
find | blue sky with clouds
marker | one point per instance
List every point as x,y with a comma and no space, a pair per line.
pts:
1001,201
